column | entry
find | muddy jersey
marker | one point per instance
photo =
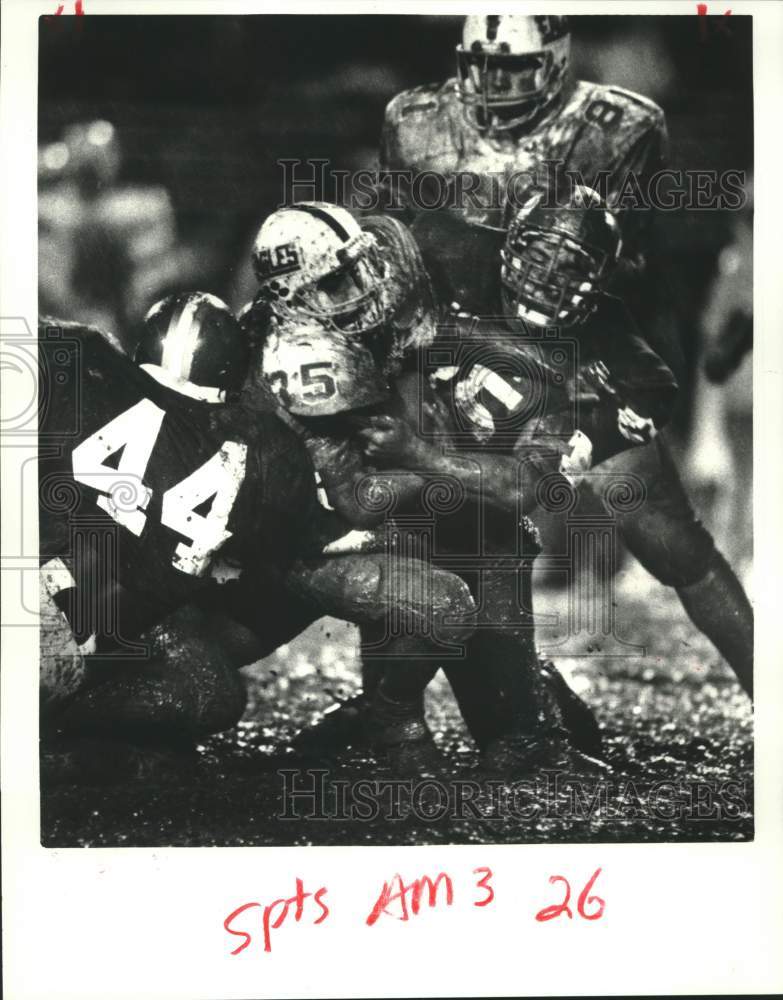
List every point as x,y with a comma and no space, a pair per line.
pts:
602,133
511,387
387,500
142,487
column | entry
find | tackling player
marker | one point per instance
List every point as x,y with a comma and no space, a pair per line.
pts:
514,122
148,472
516,396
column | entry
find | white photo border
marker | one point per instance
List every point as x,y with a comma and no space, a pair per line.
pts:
105,923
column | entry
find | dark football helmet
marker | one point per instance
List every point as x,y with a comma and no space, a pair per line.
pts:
193,343
510,67
557,260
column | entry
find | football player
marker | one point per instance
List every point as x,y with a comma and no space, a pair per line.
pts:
368,285
550,269
147,473
516,396
412,613
555,264
339,311
513,121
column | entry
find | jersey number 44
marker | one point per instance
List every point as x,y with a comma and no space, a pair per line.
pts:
125,497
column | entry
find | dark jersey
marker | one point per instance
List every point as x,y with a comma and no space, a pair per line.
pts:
142,487
464,262
387,500
510,386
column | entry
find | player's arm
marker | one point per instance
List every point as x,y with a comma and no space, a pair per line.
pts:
635,390
631,182
391,189
506,482
351,489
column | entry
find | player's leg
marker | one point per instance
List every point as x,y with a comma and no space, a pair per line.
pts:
527,712
672,544
103,719
407,610
497,669
62,669
502,684
497,685
188,687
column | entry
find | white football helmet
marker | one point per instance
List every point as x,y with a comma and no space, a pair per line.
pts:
510,67
313,259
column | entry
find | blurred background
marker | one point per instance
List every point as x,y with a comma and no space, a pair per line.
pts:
159,136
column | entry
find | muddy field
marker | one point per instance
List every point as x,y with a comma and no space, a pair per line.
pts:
677,730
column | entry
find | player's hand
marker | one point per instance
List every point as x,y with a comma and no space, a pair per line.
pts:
578,459
580,391
390,440
636,429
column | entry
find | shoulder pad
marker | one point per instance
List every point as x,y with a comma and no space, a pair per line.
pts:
645,104
633,106
79,331
424,100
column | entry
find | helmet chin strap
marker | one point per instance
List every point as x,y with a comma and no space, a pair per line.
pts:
505,126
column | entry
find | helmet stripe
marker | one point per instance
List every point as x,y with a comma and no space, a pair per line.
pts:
181,340
326,217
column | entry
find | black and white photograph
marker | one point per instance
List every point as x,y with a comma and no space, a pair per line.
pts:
395,429
390,431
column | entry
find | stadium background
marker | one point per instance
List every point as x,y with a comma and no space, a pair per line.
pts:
203,107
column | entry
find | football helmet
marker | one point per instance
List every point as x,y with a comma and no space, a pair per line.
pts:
510,67
315,371
313,259
556,261
410,310
193,343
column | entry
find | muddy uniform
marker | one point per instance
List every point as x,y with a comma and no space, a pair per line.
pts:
664,533
356,579
606,137
603,133
142,487
522,394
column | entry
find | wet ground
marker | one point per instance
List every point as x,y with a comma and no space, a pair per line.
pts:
677,730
